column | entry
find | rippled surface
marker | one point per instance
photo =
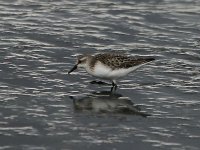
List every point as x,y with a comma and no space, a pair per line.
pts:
37,45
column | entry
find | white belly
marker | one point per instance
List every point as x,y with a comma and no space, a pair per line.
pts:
105,72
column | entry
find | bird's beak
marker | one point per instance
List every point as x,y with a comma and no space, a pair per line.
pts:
74,68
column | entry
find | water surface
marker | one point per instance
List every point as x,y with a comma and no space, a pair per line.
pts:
38,44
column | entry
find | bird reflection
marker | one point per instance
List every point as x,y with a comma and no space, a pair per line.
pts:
107,102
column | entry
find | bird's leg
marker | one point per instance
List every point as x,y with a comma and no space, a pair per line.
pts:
99,82
114,86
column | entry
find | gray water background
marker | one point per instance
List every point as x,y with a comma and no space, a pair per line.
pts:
38,44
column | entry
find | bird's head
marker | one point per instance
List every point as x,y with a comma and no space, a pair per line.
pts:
81,62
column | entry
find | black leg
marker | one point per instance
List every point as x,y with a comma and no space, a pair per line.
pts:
114,86
99,83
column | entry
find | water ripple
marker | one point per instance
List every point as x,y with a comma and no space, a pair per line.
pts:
38,45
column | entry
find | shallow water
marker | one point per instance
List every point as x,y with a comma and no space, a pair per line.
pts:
38,44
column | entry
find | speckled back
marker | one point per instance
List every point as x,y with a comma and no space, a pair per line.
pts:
116,61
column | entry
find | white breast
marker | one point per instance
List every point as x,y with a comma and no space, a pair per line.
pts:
100,70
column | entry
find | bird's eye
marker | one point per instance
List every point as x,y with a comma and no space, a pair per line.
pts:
79,61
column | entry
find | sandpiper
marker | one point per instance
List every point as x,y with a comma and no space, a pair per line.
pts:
110,66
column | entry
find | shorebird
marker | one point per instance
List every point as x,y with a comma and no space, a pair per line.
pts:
110,66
